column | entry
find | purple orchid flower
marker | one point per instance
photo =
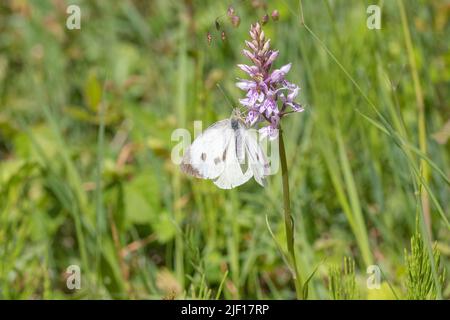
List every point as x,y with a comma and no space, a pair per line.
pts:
269,94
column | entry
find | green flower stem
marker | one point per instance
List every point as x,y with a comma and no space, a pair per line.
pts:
288,221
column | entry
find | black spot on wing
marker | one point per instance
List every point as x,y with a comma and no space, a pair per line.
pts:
203,156
187,167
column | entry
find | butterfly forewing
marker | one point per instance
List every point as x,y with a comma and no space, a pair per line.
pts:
204,158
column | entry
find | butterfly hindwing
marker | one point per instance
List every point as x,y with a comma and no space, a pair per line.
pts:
233,175
255,157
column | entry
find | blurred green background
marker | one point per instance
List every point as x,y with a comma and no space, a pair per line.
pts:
86,178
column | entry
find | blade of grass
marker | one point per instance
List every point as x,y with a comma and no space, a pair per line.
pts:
421,112
101,219
355,204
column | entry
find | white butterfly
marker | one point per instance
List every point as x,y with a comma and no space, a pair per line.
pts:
227,153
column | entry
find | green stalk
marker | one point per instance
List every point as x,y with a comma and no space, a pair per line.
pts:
182,82
288,221
100,221
421,115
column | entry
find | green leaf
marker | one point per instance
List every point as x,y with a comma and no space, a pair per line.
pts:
142,199
306,283
164,228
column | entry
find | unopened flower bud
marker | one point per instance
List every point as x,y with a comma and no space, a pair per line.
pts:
257,27
235,21
250,45
230,11
266,46
275,15
248,54
265,19
261,36
209,37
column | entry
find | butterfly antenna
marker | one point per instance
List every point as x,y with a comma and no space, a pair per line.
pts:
227,96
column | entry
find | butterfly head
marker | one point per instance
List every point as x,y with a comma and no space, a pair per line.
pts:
238,114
